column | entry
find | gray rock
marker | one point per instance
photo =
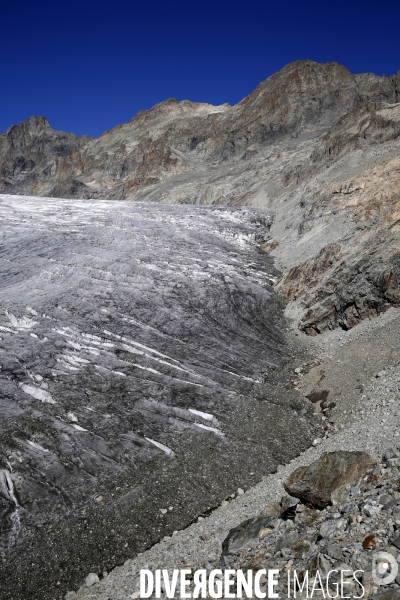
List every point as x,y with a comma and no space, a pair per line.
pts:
396,542
385,499
391,453
273,510
341,494
245,533
318,563
288,502
335,551
388,594
286,541
396,515
370,510
350,507
332,528
300,547
91,579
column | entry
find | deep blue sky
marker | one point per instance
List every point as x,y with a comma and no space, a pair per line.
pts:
88,65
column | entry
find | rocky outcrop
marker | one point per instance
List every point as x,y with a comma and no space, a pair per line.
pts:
351,224
244,533
365,126
314,484
31,152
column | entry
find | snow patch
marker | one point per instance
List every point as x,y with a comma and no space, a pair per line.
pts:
161,447
203,415
213,429
37,446
22,323
78,427
37,393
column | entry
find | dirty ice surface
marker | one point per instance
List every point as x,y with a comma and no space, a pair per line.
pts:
120,324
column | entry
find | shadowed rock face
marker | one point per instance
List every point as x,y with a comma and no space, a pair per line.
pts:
32,151
132,338
313,144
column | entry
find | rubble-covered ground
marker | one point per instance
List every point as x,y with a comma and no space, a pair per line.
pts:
361,521
359,371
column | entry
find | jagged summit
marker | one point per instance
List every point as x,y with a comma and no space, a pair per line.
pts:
176,108
34,125
32,150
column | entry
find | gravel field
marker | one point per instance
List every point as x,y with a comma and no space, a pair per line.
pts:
369,422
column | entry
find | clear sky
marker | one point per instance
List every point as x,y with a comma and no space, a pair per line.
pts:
88,65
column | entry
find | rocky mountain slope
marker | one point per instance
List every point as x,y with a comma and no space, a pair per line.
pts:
304,99
314,144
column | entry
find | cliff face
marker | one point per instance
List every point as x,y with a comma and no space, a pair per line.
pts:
313,143
348,224
32,152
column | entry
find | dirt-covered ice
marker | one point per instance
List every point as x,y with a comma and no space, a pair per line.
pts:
132,339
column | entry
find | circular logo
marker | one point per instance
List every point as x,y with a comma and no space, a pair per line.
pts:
384,568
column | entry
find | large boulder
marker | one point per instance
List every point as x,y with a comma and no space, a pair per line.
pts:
315,483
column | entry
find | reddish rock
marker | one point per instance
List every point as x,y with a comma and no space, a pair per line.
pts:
315,483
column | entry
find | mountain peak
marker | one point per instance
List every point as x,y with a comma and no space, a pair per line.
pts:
33,125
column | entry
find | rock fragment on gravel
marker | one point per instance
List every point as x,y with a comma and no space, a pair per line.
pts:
315,483
91,579
240,536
